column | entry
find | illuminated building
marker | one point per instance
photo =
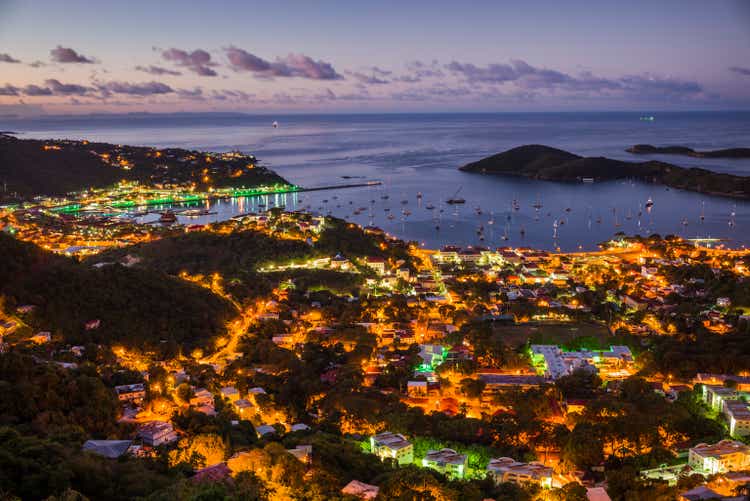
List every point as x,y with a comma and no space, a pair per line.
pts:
446,461
509,470
392,445
721,457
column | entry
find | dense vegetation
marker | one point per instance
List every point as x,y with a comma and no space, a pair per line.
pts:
543,162
140,308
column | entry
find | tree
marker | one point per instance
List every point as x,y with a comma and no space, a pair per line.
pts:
572,491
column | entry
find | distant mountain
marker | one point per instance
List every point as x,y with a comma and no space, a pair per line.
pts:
648,149
547,163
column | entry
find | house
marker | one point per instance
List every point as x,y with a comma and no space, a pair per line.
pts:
264,430
202,397
203,401
230,393
416,389
392,445
302,452
156,433
111,449
132,393
509,470
597,494
700,493
446,461
361,490
243,408
721,457
377,264
219,472
431,354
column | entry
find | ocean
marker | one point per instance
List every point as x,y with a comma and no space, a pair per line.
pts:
419,154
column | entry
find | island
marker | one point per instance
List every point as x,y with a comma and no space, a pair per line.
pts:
648,149
552,164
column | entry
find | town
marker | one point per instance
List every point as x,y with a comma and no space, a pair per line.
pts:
285,351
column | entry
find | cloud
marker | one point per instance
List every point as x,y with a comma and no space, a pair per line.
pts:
35,90
372,79
135,89
740,70
9,90
293,65
157,70
66,55
61,89
420,70
198,61
7,58
527,77
232,95
194,94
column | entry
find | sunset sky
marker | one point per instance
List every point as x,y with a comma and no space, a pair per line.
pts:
378,56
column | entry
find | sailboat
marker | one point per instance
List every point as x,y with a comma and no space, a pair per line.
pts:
455,199
538,204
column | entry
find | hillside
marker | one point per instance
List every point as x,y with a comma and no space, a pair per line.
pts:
551,164
137,308
648,149
30,167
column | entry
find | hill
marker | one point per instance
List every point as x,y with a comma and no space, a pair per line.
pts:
30,167
648,149
551,164
137,308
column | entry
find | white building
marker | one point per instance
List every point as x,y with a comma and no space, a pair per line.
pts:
721,457
510,470
156,433
392,445
446,461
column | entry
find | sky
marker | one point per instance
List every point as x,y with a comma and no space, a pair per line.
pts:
77,57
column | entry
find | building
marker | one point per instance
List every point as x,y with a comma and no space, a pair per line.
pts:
132,393
111,449
510,470
597,494
721,457
432,355
264,430
446,461
377,264
743,382
717,396
737,413
231,393
243,408
416,389
156,433
361,490
392,445
202,397
554,363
